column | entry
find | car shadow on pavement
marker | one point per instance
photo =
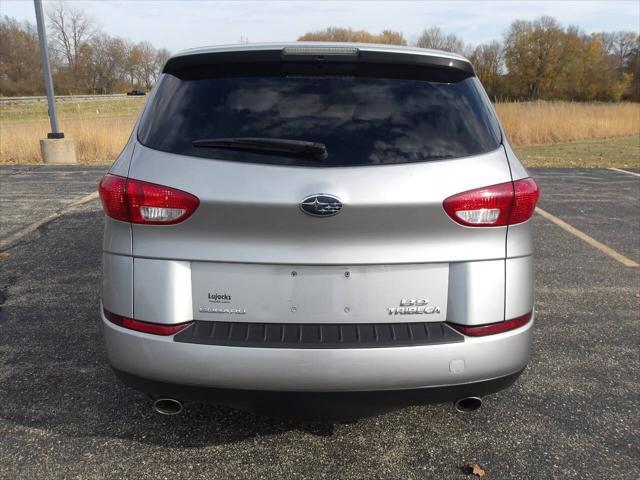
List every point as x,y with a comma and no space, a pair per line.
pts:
53,367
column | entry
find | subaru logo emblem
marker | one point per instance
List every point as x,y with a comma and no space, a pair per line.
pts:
321,205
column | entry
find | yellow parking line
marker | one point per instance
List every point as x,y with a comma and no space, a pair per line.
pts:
627,262
625,171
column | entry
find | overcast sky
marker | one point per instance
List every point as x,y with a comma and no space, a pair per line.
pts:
184,24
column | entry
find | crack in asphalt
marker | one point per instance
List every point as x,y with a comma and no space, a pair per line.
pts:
13,239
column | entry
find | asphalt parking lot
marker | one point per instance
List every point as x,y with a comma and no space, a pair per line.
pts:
572,414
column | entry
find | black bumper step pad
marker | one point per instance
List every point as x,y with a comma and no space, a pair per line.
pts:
329,335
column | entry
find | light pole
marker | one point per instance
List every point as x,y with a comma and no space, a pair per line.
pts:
55,148
46,72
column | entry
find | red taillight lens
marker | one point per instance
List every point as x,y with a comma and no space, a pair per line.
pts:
146,203
113,194
145,327
156,204
526,195
493,328
488,206
494,206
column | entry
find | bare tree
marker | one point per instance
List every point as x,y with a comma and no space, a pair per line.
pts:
84,59
69,30
623,46
435,38
162,55
147,65
132,63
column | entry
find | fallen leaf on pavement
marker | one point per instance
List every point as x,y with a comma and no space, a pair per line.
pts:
476,470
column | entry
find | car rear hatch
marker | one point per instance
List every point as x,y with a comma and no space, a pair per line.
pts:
403,132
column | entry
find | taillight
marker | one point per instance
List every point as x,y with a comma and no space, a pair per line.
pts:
494,206
145,327
493,328
526,194
135,201
113,194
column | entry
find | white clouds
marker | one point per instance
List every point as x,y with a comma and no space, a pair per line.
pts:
183,24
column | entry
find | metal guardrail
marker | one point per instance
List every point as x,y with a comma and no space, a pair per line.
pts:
62,98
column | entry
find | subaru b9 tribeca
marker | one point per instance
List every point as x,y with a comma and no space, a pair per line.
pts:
320,220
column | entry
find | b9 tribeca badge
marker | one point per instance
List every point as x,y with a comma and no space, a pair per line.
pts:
418,306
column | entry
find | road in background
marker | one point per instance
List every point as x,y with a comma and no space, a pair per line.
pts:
60,98
571,415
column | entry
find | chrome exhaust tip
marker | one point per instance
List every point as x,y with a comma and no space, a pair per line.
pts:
167,406
468,404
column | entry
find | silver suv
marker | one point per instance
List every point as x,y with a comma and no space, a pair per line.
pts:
338,224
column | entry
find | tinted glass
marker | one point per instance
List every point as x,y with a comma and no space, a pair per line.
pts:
362,121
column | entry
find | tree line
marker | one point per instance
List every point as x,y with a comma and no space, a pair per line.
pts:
84,59
536,59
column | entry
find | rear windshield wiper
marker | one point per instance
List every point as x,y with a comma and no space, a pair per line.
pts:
268,146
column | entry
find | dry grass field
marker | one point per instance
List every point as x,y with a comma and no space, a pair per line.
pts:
100,128
528,123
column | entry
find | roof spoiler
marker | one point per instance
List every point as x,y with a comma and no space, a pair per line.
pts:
314,54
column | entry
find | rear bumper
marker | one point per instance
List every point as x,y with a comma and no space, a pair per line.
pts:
161,359
316,405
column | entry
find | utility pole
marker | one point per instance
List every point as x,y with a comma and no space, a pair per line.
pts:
55,148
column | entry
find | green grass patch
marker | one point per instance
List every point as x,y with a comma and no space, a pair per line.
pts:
108,107
598,153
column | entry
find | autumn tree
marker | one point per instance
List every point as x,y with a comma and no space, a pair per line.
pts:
337,34
537,59
545,60
20,71
488,61
532,52
83,58
391,37
108,57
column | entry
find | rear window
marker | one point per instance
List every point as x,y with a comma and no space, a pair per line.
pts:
360,120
